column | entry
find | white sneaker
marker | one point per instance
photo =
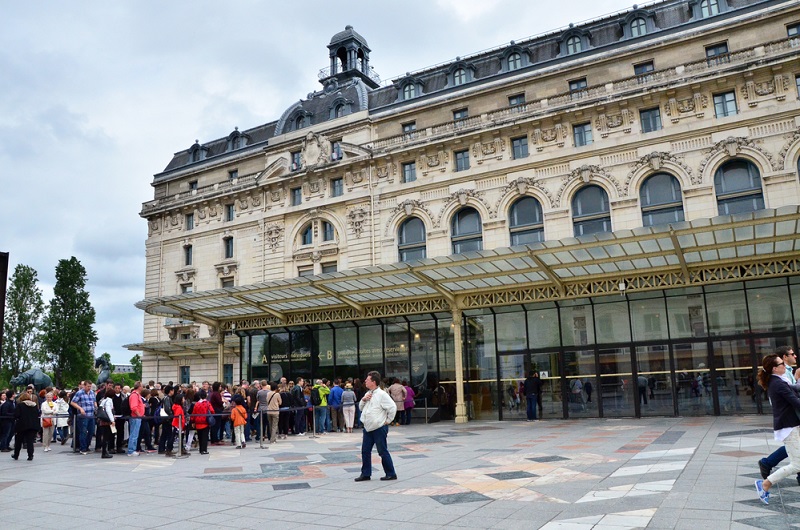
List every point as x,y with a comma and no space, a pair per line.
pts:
135,453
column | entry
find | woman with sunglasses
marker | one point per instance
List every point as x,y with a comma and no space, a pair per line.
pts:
785,421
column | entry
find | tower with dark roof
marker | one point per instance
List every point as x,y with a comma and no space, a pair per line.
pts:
349,55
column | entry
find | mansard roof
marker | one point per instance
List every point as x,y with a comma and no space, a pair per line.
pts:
542,51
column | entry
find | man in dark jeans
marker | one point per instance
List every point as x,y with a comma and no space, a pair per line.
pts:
215,398
7,422
533,388
165,423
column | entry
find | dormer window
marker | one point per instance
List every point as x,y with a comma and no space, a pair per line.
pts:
574,45
409,91
236,143
459,77
196,156
709,8
514,62
338,111
299,122
638,27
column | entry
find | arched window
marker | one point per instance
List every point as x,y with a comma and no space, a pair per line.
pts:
328,233
574,45
525,221
299,122
661,200
409,91
236,142
738,187
411,240
466,231
338,112
514,61
307,237
709,8
638,27
590,211
459,77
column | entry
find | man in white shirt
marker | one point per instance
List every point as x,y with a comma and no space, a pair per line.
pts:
377,411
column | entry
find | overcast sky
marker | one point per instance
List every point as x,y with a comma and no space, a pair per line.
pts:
95,97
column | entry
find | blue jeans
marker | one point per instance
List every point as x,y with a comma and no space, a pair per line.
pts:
319,419
134,424
376,438
775,458
85,431
530,406
6,433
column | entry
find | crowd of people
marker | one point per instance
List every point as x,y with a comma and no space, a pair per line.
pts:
176,419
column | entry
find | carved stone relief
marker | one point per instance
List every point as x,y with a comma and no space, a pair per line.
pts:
356,217
751,91
492,150
681,108
655,161
584,173
315,150
388,172
604,123
556,135
462,197
520,187
733,146
436,162
273,235
406,208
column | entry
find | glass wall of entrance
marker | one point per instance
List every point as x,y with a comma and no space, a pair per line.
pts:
684,352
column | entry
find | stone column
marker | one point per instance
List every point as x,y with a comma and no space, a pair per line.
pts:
220,354
458,347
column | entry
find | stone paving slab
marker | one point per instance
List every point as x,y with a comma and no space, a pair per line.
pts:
666,473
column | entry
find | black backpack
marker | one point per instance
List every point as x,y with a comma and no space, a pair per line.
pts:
316,399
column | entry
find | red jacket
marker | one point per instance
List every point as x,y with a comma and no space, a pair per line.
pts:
136,404
178,421
201,408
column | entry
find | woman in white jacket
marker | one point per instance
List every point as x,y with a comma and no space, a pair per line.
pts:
62,422
49,410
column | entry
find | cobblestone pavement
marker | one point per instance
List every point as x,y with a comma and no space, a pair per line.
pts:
694,473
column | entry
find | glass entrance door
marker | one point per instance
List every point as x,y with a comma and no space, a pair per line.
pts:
581,384
734,378
513,371
692,380
654,383
617,387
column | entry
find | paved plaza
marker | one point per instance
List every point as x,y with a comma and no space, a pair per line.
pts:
693,473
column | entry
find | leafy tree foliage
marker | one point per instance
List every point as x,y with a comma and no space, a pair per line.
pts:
69,335
23,318
136,362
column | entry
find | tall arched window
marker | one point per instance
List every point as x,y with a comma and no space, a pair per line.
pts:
409,91
709,8
525,221
299,122
459,77
514,61
307,236
574,45
411,240
738,187
338,112
590,211
466,231
638,27
661,200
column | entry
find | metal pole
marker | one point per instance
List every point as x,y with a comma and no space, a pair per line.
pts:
314,421
260,429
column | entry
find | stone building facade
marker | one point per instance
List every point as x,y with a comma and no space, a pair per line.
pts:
652,120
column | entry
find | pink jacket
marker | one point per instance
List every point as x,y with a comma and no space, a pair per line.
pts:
137,405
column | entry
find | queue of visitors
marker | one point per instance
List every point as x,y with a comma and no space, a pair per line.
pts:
175,419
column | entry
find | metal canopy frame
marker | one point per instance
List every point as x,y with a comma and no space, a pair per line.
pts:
761,244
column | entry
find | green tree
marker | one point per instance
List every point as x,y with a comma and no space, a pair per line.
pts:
136,362
107,357
69,335
23,319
